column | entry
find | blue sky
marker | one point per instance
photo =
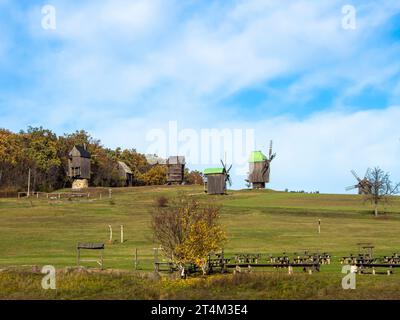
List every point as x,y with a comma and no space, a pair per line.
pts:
327,96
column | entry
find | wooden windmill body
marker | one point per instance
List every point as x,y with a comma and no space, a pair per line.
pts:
175,169
364,186
79,166
216,180
260,168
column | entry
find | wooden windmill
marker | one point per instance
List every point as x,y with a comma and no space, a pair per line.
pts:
260,168
175,169
364,186
79,167
216,179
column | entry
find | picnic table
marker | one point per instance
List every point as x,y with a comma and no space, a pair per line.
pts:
247,257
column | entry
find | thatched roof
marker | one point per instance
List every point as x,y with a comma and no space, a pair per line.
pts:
176,160
154,159
124,167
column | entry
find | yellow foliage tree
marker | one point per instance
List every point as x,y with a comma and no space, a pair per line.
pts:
187,231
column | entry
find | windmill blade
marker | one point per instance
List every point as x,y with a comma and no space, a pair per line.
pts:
223,165
355,175
367,173
270,149
229,169
229,180
351,188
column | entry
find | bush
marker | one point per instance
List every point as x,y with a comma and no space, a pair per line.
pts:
161,202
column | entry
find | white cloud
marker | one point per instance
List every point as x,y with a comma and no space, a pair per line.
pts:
118,50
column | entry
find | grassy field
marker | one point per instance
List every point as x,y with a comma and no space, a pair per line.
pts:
45,232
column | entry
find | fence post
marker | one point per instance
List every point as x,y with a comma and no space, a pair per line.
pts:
111,233
136,259
122,233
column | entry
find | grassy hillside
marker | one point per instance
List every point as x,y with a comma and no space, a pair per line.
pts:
42,231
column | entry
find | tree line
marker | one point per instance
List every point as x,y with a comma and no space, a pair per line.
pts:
46,155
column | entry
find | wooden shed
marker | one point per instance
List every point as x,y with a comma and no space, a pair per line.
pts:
215,182
125,173
175,169
79,163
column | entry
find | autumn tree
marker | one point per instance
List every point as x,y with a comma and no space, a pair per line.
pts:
9,157
41,147
188,231
46,155
138,164
193,177
157,175
382,188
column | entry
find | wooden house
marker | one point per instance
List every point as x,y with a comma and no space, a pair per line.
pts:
79,163
175,169
215,180
125,173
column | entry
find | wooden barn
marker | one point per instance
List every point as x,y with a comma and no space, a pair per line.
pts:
79,163
175,169
260,168
215,182
125,173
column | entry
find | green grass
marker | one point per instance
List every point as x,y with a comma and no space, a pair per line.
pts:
45,232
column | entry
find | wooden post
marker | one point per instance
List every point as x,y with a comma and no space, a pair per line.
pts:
100,196
136,259
111,234
110,193
122,233
290,270
29,182
319,226
78,257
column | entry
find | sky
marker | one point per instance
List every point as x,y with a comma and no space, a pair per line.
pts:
319,78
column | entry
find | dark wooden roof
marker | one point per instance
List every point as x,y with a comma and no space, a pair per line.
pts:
82,151
93,246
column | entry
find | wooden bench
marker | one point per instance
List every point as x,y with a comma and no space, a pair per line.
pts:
90,246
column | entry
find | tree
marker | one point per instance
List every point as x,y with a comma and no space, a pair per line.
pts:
382,187
157,175
187,231
193,177
138,164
